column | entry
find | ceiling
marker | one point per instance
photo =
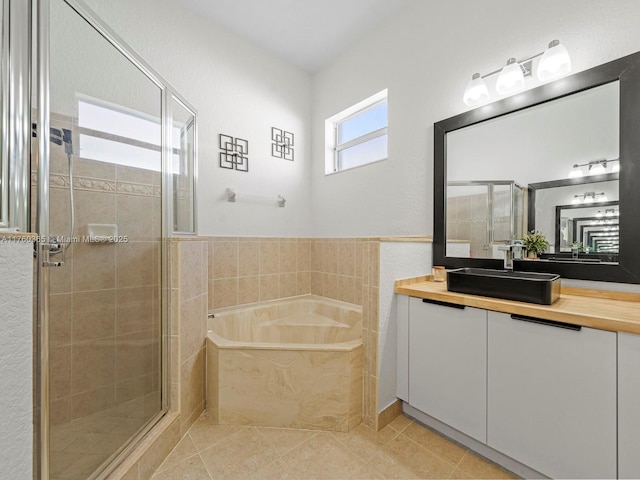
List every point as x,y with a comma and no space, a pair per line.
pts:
307,33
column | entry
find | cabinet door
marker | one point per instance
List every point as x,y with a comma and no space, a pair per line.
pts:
628,411
552,397
448,365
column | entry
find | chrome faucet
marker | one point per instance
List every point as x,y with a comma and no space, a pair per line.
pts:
512,252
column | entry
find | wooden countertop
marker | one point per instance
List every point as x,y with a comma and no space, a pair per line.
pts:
605,310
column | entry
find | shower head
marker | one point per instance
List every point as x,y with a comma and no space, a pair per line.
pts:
55,136
68,144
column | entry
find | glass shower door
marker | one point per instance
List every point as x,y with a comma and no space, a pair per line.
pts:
105,208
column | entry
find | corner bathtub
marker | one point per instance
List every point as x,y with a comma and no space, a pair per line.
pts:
287,363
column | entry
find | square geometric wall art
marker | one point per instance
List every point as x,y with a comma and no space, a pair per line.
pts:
282,146
234,153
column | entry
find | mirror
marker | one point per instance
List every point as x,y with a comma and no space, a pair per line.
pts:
533,141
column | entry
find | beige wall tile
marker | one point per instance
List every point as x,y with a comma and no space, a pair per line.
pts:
92,401
60,371
94,266
192,265
248,258
225,260
269,287
374,264
357,256
316,254
135,264
192,326
330,285
225,292
288,284
60,319
248,289
60,411
317,283
135,217
288,256
211,292
269,257
93,365
374,300
192,378
303,283
346,289
330,257
133,355
135,308
346,258
92,207
303,255
94,315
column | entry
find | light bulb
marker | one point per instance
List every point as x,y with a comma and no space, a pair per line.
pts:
511,78
576,199
615,168
554,63
476,92
589,198
599,214
575,172
603,198
597,169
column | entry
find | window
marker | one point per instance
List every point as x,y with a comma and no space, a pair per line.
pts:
358,135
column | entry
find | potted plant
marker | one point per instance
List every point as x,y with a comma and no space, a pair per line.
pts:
536,243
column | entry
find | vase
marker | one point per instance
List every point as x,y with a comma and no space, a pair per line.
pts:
532,255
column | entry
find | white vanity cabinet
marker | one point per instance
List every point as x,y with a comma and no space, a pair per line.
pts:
552,396
628,405
447,355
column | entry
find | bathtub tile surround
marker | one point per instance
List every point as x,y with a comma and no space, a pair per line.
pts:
189,275
245,270
290,363
403,449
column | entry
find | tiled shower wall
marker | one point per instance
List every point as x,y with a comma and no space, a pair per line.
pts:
250,269
467,220
104,318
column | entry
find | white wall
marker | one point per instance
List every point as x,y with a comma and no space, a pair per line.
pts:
238,89
425,55
397,260
16,359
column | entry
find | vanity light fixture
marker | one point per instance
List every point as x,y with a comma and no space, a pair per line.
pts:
511,78
476,92
554,63
575,172
589,197
595,167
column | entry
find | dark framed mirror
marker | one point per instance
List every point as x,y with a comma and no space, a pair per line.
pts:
534,139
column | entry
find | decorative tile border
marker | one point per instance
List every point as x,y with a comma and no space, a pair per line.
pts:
89,184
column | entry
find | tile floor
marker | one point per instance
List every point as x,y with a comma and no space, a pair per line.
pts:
402,450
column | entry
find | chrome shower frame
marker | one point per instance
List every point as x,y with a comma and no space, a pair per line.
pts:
39,14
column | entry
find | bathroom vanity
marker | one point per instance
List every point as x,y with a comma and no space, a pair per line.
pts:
541,389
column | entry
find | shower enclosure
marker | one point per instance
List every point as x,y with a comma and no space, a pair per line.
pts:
482,215
101,164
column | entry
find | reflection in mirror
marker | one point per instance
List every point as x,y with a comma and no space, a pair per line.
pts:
538,145
571,197
481,216
592,229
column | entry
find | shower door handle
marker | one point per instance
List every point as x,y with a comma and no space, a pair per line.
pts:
53,248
